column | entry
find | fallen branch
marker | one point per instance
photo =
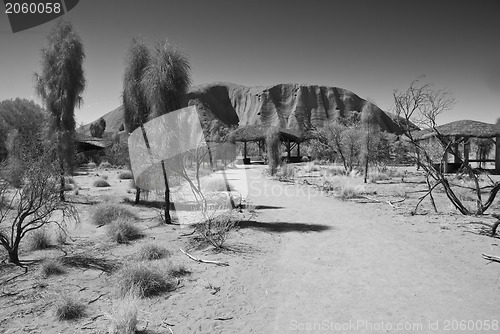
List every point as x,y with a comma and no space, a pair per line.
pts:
96,299
223,318
203,261
492,258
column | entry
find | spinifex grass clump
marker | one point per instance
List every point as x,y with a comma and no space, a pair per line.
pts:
68,308
126,175
51,268
101,183
124,316
123,231
39,239
141,279
153,252
106,213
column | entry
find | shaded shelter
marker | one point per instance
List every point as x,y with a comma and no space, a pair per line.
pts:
460,133
257,133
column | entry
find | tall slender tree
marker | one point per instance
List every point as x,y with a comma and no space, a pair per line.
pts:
135,106
60,85
165,82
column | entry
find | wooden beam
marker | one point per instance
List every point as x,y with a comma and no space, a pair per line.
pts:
466,150
497,154
245,149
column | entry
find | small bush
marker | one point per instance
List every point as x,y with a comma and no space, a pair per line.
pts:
101,183
217,227
126,175
106,213
177,270
286,172
69,180
39,239
465,194
311,167
91,165
124,316
378,176
105,164
153,252
67,308
348,191
142,280
335,170
123,231
216,184
68,187
51,268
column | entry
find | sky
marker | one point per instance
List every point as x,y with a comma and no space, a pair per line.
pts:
370,47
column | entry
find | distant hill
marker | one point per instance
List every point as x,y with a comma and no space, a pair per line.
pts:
290,106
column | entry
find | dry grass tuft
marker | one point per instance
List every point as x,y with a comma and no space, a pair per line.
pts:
348,191
68,308
51,268
124,316
123,231
106,213
153,252
105,164
126,175
39,239
141,279
101,183
378,176
177,270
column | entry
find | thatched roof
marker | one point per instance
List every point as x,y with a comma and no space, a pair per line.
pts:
463,128
88,143
258,132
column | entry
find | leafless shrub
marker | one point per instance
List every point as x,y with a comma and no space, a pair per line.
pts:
69,308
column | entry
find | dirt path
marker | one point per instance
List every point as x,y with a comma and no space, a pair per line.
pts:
360,268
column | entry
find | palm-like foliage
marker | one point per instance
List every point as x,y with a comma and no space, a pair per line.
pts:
166,79
165,82
135,106
60,85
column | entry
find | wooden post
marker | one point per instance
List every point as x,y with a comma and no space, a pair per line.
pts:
497,154
245,149
456,158
298,150
445,162
466,150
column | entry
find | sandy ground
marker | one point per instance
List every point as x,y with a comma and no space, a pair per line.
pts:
305,263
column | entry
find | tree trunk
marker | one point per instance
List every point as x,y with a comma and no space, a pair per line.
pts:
168,219
137,194
63,181
14,254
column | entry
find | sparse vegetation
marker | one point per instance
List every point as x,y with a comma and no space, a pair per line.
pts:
69,308
106,213
39,239
104,164
140,279
126,175
216,227
216,184
123,231
177,270
348,191
153,252
86,261
124,316
51,268
101,183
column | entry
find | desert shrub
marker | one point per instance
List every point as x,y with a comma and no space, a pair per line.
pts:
311,167
286,172
123,231
117,154
177,270
39,239
68,308
124,316
105,164
92,165
216,184
348,191
335,170
51,268
13,172
140,279
216,227
106,213
101,183
69,180
465,194
153,252
378,176
68,187
126,175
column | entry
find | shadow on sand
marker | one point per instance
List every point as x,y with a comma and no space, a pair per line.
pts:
281,227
